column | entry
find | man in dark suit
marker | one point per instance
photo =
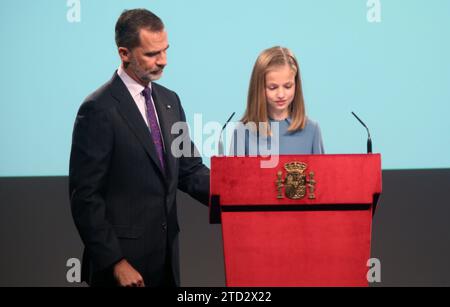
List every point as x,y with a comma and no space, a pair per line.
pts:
124,173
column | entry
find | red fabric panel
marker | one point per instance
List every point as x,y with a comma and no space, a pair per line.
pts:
341,179
300,248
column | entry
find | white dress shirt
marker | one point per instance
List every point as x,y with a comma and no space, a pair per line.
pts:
135,90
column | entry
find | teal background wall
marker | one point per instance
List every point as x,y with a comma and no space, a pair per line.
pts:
394,74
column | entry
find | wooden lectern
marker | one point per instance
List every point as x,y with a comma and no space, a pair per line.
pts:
305,222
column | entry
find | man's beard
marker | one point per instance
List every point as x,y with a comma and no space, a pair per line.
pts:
145,75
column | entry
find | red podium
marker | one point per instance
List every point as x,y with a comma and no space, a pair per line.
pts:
306,222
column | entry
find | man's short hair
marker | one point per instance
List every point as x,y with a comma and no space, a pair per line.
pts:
131,22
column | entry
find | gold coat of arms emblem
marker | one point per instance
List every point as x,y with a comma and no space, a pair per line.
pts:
296,182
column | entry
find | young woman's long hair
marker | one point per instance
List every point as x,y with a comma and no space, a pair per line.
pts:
256,111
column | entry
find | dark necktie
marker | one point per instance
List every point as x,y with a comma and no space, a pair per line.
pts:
153,123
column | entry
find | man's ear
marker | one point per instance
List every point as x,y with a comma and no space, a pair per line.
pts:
124,54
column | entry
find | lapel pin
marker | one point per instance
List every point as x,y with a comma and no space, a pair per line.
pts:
169,106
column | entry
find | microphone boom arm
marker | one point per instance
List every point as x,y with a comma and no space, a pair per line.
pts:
369,139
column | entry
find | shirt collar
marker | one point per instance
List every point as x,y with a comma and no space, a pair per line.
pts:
287,120
133,87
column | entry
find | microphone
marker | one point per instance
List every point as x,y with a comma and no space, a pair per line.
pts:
369,140
220,137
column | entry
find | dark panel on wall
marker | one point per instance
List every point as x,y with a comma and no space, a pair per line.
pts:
37,233
411,233
411,228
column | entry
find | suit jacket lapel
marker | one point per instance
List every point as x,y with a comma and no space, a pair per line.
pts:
133,117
